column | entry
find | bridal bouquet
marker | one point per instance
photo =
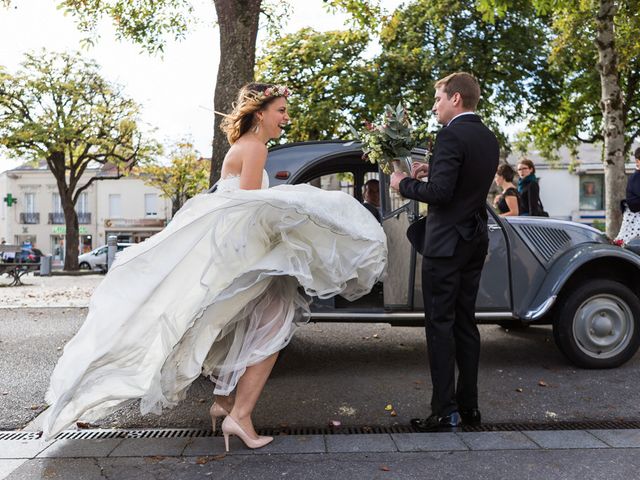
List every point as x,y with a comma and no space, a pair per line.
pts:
391,139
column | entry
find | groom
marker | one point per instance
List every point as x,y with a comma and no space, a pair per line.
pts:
454,242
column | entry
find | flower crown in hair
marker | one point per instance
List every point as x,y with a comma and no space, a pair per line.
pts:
275,91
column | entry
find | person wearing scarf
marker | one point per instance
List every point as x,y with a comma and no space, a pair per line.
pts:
528,189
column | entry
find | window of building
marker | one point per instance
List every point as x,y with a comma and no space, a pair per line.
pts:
151,204
30,203
82,205
56,203
591,192
115,205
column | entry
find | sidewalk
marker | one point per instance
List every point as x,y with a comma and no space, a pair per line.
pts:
594,454
54,291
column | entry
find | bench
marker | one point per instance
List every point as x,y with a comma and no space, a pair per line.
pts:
12,269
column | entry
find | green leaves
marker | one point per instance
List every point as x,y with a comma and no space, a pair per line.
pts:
59,106
146,22
186,175
392,137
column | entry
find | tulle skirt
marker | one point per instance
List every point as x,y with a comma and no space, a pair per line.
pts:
222,287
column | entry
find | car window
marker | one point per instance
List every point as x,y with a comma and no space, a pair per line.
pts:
342,181
391,200
101,251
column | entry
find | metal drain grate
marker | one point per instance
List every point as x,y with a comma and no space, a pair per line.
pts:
94,434
20,435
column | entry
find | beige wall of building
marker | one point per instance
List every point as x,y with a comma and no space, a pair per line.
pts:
125,207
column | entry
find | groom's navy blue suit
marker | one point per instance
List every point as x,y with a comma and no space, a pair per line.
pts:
454,242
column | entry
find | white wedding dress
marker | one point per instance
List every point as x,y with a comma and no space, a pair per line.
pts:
217,290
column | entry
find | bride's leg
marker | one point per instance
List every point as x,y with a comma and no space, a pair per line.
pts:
224,401
249,388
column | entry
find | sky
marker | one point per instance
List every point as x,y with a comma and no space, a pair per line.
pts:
176,89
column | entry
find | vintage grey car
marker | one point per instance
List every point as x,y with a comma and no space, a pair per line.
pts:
537,271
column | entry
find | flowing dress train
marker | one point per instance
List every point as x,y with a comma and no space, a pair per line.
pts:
222,287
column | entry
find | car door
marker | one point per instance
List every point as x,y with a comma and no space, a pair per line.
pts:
494,294
397,215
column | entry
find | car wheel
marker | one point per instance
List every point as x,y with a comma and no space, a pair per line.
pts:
596,325
85,266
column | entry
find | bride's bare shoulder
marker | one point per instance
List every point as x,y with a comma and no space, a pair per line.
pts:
248,151
249,148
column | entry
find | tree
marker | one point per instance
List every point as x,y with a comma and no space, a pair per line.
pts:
596,59
58,108
329,78
185,177
420,42
238,23
425,40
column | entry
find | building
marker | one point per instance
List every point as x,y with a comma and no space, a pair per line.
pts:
31,211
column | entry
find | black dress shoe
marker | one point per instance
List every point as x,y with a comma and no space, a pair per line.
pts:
435,423
471,417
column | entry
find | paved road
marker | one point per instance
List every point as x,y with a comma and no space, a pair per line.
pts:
345,372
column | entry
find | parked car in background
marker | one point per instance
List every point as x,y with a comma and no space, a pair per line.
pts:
28,255
537,271
97,258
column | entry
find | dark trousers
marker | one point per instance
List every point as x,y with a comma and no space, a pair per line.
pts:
450,287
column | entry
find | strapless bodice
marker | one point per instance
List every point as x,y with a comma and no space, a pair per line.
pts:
231,183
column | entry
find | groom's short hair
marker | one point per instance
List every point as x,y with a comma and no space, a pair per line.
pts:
465,84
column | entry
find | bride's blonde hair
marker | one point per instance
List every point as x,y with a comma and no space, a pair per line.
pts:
252,98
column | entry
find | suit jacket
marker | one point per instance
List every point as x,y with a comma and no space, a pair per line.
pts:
461,169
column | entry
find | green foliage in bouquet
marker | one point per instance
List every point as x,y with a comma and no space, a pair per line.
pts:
391,138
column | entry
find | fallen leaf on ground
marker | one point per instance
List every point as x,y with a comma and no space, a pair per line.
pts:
335,423
519,390
384,468
375,335
542,383
154,458
388,408
86,425
393,413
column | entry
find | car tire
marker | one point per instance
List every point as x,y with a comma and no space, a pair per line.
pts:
596,324
85,266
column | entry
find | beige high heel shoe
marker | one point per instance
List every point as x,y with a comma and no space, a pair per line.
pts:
216,411
231,427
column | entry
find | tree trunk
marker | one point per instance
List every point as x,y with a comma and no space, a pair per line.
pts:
238,23
612,113
72,232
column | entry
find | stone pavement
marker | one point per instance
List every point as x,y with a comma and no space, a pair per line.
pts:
561,454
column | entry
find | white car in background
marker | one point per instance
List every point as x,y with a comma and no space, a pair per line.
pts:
97,258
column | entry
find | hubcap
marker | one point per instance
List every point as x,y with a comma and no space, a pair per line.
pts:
602,326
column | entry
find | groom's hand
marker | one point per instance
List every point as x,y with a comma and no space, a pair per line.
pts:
419,170
396,178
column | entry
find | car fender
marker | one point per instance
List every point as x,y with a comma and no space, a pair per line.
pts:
563,269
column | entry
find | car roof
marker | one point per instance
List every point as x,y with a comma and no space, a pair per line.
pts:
294,157
298,157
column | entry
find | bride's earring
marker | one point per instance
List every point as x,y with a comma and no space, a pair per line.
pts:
256,128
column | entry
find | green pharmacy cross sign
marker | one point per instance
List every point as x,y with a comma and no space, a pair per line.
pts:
10,199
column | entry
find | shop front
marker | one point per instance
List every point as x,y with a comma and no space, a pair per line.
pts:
58,244
132,230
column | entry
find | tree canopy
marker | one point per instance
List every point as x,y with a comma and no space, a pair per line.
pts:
329,78
185,176
59,108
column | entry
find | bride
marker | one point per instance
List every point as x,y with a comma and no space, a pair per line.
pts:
220,290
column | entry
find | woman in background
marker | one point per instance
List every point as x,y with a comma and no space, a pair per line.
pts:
507,201
529,190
